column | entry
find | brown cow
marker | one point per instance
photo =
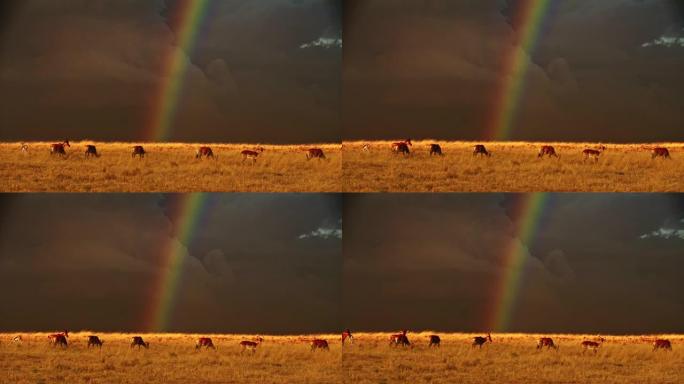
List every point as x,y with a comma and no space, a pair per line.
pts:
593,153
548,151
204,342
91,150
546,342
478,341
347,335
660,152
249,154
60,340
315,153
395,146
139,342
250,345
54,336
94,341
435,149
481,150
435,341
591,345
58,148
138,150
662,344
204,152
319,344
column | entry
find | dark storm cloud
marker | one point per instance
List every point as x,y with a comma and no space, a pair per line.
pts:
433,262
90,262
91,69
433,69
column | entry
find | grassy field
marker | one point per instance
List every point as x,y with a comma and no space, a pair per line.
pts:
513,167
168,168
511,359
171,358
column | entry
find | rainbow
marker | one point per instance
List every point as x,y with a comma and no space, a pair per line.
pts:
529,214
186,212
187,20
514,69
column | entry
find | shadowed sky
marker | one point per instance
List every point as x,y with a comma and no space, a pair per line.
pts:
259,263
261,71
606,70
599,263
273,263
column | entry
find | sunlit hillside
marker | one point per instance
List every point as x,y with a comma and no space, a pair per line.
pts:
512,358
512,167
169,168
171,358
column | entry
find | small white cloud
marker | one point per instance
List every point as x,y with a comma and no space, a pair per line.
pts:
323,233
323,42
667,41
665,233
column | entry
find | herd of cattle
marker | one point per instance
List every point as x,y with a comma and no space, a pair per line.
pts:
395,340
60,149
403,147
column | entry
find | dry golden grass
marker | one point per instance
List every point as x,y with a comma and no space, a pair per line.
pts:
168,168
171,358
510,359
513,167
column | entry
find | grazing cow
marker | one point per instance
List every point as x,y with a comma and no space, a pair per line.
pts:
250,345
478,341
249,154
546,342
91,150
60,340
366,147
395,146
139,342
24,148
315,153
54,336
662,344
204,152
593,153
481,150
660,152
346,335
94,341
402,148
548,151
399,339
435,149
435,341
393,338
17,339
58,148
204,342
319,344
138,150
591,345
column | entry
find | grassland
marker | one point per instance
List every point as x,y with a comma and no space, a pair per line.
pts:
172,358
511,359
512,167
168,168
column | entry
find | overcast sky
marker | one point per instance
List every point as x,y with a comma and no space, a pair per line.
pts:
262,71
608,70
258,263
599,263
